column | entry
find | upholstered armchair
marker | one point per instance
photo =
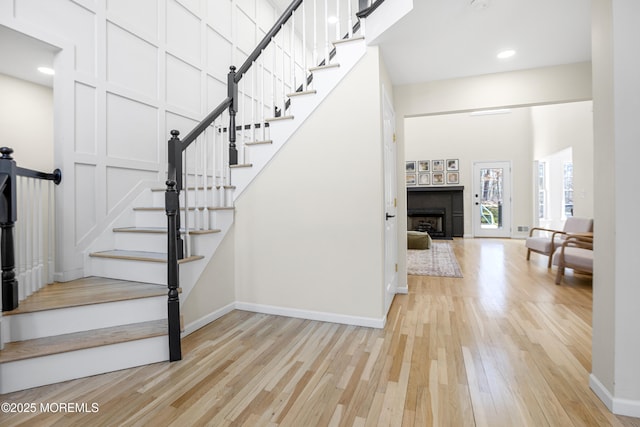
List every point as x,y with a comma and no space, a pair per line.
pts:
545,241
575,252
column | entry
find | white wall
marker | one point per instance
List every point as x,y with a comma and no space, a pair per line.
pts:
128,73
469,138
309,229
565,126
616,65
26,122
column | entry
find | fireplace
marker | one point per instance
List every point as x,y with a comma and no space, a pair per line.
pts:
437,210
431,221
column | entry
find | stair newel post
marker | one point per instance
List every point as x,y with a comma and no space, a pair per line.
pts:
7,221
172,205
232,92
174,173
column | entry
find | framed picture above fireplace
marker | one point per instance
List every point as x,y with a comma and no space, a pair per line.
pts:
424,178
437,178
453,178
411,179
423,166
452,165
438,165
410,166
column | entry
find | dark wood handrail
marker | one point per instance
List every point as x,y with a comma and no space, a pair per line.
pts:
369,10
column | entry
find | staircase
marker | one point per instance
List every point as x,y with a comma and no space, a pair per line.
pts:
117,317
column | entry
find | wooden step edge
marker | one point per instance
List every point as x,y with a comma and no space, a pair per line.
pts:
160,230
157,209
243,165
157,257
259,142
51,303
324,67
279,119
40,347
352,39
210,187
302,93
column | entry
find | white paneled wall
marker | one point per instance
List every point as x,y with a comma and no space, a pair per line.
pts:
128,74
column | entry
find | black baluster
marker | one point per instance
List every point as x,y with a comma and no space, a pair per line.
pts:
7,221
232,91
172,206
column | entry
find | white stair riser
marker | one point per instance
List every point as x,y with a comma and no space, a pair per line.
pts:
136,271
214,197
35,372
65,321
156,242
206,219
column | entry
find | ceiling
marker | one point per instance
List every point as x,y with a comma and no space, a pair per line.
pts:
438,39
22,55
444,39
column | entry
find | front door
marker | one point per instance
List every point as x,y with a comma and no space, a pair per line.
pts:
492,199
390,202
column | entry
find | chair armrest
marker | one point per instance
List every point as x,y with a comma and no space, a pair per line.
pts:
548,230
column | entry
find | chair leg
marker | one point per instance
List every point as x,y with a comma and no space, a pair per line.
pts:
559,274
528,254
550,259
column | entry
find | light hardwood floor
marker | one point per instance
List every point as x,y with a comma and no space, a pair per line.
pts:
503,346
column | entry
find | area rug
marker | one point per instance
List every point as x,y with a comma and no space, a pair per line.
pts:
437,261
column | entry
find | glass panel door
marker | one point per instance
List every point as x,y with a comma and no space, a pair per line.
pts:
492,199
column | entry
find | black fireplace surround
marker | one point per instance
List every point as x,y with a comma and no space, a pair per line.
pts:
436,210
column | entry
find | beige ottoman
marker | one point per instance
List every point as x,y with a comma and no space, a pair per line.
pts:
418,240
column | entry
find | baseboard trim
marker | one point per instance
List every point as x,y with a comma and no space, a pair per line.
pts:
626,407
205,320
403,290
368,322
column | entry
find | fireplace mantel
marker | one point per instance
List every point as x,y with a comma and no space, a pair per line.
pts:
449,199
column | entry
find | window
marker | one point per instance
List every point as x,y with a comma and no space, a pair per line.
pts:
568,189
542,193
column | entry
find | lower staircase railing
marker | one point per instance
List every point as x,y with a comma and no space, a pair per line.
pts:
28,193
259,91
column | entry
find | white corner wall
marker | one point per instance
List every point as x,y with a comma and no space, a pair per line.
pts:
615,374
26,122
128,73
565,126
309,229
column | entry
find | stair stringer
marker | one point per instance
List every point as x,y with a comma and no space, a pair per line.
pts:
348,53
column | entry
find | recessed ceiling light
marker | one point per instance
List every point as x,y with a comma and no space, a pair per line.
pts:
332,20
506,54
46,70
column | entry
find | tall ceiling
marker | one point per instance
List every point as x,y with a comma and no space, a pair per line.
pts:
443,39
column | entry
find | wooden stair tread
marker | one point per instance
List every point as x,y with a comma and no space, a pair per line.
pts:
156,208
276,119
209,187
21,350
268,141
140,256
160,230
243,165
90,290
347,40
302,93
324,67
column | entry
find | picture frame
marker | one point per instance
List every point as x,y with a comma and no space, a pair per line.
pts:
453,165
424,166
411,179
437,178
453,178
437,166
424,178
410,166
